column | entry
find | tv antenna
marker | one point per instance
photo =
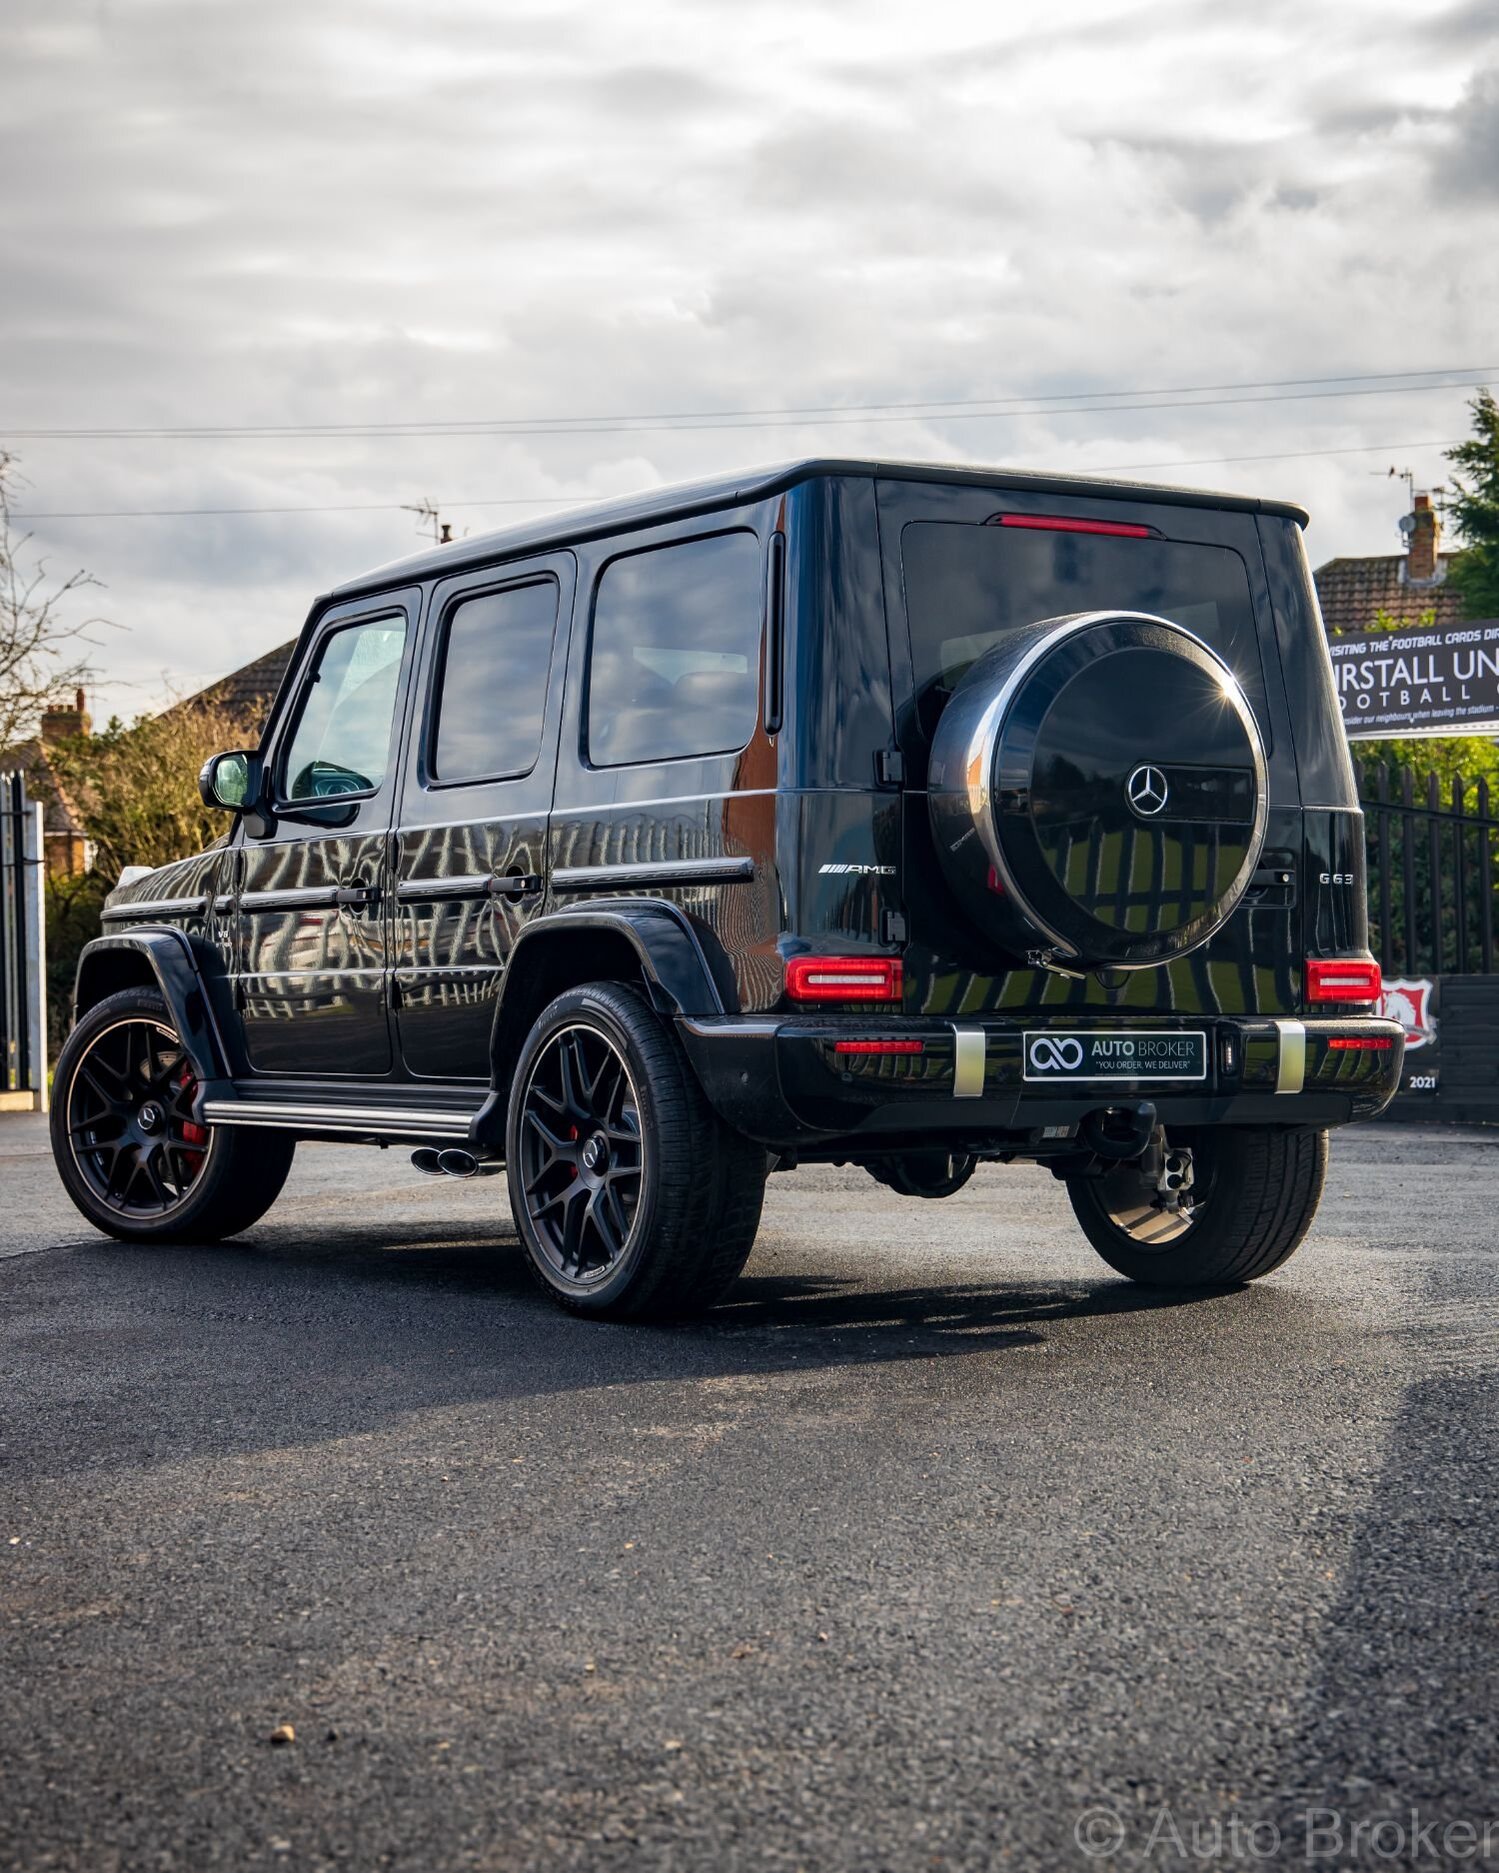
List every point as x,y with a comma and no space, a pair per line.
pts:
428,516
1408,476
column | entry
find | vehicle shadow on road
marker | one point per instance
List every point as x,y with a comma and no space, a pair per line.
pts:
486,1265
296,1335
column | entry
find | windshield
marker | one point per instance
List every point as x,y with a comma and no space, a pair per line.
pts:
967,586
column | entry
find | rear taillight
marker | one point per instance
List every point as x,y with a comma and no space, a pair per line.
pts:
844,979
879,1047
1342,979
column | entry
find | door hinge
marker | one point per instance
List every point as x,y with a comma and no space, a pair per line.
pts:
892,926
890,767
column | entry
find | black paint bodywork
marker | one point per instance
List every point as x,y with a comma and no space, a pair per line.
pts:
394,956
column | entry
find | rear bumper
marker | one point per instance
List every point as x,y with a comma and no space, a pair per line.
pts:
779,1079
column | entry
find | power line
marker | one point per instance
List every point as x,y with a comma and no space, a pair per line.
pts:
969,409
352,507
1290,455
559,500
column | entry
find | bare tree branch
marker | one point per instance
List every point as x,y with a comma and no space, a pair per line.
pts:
41,644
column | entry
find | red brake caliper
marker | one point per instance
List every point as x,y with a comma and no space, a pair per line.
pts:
192,1134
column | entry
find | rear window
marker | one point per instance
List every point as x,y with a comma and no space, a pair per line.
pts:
967,586
674,662
492,687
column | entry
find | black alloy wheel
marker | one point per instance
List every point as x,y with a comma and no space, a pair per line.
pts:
632,1199
130,1153
582,1161
130,1123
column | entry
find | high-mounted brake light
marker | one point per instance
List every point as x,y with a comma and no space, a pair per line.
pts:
1342,979
844,979
879,1047
1060,523
1360,1044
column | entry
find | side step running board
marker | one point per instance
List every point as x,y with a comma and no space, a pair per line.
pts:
353,1121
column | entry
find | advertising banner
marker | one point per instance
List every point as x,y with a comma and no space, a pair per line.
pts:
1401,683
1414,1004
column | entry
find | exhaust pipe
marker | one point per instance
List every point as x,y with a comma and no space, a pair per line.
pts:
459,1163
453,1162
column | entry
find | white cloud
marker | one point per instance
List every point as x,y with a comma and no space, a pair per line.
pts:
334,213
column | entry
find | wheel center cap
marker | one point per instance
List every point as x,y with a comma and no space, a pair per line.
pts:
595,1154
149,1117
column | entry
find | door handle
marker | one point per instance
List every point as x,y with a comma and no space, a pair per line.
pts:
515,884
356,896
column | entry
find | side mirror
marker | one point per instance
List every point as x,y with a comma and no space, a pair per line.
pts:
231,781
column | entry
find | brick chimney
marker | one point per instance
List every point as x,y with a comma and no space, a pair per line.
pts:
61,723
1423,535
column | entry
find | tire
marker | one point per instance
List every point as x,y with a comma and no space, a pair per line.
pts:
632,1199
126,1147
1257,1191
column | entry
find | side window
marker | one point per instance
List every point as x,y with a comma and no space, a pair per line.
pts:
491,694
341,741
674,661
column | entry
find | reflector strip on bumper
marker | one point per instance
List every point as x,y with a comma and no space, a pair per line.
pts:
1290,1074
968,1063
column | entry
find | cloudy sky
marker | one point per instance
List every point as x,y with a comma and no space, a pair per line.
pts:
335,216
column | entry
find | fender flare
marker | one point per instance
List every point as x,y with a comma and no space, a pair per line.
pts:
174,968
679,973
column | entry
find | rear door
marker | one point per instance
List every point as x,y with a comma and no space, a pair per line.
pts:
667,783
965,564
311,935
469,853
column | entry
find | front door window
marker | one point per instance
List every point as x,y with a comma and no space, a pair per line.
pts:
341,742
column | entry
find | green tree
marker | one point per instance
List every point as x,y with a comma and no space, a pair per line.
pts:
1471,757
134,789
1472,501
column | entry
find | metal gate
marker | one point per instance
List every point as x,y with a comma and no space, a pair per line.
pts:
1432,871
23,956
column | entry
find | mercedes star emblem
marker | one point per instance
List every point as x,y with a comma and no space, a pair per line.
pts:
1146,788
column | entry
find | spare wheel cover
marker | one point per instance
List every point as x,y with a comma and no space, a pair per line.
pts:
1097,791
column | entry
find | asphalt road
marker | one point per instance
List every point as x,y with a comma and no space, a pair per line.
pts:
933,1544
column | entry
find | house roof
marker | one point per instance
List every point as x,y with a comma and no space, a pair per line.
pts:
1352,592
59,815
253,685
756,484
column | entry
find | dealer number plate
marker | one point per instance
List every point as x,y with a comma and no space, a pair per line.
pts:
1117,1054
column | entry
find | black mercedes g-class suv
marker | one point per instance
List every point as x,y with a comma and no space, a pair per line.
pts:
900,815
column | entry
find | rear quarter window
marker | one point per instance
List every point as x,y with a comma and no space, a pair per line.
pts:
967,586
674,657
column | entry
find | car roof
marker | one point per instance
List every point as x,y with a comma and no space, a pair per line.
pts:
754,484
